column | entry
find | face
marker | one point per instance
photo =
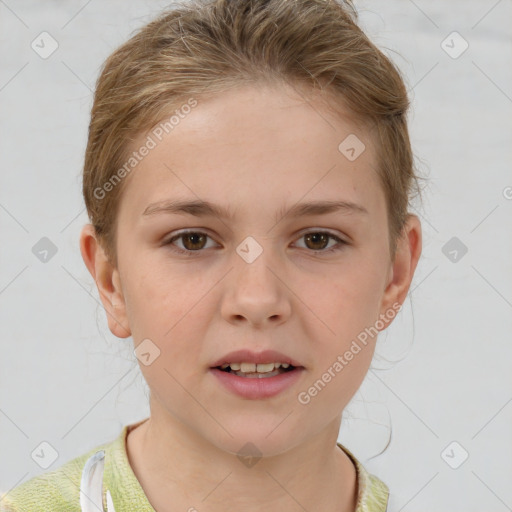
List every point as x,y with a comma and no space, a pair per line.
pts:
258,279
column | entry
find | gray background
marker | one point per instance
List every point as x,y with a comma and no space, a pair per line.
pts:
442,369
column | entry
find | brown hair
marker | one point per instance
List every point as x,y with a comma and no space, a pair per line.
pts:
204,47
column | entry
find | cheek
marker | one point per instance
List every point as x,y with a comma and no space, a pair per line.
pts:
334,384
169,310
157,302
348,307
349,300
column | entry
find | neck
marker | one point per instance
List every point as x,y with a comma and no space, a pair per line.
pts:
176,467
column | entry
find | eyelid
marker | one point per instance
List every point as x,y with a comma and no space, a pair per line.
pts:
336,234
176,235
300,233
340,239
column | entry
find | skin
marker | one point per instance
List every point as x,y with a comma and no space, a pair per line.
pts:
254,150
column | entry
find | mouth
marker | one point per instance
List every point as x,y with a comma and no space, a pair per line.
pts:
257,375
256,371
260,381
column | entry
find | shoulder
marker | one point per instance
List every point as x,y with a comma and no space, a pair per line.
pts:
377,494
54,491
373,493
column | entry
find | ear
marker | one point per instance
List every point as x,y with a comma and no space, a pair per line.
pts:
402,268
107,280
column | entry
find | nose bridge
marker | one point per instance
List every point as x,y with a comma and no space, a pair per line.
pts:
256,291
257,258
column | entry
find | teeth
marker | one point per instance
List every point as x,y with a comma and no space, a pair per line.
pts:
263,368
252,367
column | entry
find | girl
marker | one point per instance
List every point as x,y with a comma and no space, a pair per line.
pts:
247,179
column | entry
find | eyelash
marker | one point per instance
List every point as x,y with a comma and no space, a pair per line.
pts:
338,247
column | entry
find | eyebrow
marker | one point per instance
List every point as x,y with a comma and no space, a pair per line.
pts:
200,208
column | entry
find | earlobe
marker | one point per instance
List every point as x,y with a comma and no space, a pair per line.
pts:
107,280
402,269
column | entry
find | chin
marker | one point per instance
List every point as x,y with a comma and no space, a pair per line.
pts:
255,440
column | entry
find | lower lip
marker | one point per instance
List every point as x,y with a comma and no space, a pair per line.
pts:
255,387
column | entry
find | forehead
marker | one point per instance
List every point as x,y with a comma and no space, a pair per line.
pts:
273,142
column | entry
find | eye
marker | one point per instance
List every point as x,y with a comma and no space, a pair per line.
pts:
193,241
319,239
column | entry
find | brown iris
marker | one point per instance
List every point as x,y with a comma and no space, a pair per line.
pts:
316,238
194,237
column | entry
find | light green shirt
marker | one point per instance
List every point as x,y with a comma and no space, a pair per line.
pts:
59,490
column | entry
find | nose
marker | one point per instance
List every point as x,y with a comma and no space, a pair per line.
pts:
256,292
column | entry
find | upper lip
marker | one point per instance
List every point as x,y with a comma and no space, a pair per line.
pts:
248,356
